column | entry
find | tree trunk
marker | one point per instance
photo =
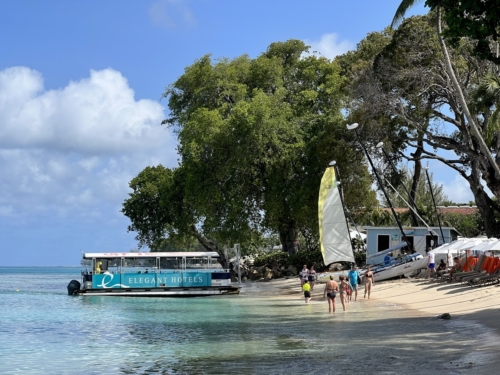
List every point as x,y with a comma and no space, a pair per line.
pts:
416,178
460,96
209,245
289,237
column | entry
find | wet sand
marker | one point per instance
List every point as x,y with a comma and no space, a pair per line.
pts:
475,313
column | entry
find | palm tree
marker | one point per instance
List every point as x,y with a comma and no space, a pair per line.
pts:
398,17
488,95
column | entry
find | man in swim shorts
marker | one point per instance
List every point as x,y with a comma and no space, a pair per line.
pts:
353,276
331,289
430,262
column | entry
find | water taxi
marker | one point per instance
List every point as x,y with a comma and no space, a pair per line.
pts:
150,274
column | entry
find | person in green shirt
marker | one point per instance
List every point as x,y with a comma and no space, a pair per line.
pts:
307,291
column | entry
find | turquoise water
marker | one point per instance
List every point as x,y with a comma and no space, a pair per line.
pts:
45,331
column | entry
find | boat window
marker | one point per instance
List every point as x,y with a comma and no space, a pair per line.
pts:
170,263
383,241
139,265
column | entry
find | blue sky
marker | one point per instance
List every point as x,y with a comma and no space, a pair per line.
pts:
80,83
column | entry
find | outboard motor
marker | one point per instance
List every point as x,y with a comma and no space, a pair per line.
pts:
73,287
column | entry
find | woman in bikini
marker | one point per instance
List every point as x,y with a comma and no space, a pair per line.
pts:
343,287
330,292
311,277
369,281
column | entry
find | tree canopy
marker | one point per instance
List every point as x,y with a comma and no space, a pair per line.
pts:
255,136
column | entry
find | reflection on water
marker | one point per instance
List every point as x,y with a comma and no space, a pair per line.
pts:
50,332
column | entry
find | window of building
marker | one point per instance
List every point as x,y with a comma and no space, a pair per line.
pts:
383,241
409,240
431,241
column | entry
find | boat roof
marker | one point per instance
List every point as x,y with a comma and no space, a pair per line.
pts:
178,254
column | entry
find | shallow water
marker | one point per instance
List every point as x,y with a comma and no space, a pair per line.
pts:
43,330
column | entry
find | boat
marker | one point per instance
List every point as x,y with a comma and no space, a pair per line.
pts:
154,274
405,265
334,235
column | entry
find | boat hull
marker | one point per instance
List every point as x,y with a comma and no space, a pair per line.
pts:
161,292
400,270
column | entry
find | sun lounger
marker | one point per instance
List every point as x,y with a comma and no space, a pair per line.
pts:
477,271
486,279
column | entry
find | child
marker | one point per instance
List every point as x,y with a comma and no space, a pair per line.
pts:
307,291
343,287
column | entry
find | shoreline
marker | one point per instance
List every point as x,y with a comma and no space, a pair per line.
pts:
428,298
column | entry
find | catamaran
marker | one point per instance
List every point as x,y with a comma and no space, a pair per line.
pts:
151,274
335,237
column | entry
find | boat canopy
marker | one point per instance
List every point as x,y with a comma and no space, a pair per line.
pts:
178,254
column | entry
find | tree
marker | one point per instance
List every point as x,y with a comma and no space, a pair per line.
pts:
491,169
157,209
423,194
477,20
409,86
254,138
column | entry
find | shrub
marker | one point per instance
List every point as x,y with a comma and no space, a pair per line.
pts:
310,258
278,258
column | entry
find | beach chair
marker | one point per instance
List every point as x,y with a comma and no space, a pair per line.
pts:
477,271
487,279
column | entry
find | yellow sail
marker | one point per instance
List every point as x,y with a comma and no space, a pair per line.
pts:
333,232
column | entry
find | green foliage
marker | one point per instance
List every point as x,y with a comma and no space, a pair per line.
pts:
477,20
275,258
423,195
282,259
360,258
468,225
310,258
254,138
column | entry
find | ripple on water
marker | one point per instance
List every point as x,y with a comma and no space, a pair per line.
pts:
46,331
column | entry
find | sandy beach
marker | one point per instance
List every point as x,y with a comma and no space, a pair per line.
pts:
460,301
417,303
427,297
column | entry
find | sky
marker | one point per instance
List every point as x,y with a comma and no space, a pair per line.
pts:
80,103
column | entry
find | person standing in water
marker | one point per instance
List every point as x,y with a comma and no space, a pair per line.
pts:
330,292
369,281
353,276
307,291
312,277
303,275
343,287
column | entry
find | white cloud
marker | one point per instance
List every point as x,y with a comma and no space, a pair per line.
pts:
94,115
330,46
72,151
457,190
171,13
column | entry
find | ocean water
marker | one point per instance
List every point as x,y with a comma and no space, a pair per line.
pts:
45,331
